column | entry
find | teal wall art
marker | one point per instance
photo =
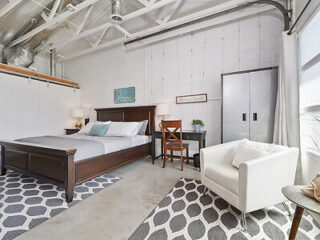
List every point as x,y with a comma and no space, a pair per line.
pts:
124,95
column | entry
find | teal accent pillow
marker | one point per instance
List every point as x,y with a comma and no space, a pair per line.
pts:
99,130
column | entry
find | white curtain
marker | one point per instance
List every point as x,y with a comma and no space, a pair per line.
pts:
287,128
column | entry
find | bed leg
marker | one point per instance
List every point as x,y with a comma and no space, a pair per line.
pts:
3,169
69,194
69,178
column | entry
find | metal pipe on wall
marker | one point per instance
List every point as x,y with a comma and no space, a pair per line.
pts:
53,66
283,10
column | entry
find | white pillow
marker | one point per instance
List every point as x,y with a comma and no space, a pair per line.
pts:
246,152
86,129
143,128
123,129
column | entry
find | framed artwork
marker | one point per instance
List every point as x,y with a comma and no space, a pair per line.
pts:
124,95
195,98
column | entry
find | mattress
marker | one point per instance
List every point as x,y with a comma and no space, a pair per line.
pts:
114,144
88,146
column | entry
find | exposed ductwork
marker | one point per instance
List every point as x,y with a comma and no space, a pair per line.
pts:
53,62
116,11
1,53
21,58
27,16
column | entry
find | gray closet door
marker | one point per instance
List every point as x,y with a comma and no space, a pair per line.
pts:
263,96
235,116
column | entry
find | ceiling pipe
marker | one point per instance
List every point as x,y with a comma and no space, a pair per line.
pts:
116,11
298,18
53,67
279,6
1,53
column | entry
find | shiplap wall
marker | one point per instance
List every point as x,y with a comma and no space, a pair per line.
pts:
184,65
32,108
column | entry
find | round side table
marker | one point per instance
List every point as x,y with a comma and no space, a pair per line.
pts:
295,195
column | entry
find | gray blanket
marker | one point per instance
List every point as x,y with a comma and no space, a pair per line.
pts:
85,148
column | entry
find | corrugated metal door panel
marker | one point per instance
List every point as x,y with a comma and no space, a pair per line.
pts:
263,96
235,116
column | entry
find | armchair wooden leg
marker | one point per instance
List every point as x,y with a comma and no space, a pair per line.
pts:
164,158
171,155
181,160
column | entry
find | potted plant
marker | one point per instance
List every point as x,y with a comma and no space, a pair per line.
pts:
197,123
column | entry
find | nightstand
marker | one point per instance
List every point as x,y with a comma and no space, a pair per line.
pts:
71,131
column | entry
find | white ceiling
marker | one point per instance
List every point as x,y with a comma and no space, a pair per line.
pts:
90,29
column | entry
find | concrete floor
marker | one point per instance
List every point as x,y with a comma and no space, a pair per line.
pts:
115,212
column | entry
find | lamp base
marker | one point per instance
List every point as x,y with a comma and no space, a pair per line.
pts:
78,125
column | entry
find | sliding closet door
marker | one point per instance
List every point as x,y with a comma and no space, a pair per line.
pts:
263,96
235,107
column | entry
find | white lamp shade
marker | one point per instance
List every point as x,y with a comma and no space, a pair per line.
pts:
163,110
78,113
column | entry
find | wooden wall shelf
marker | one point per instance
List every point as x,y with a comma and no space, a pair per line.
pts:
21,72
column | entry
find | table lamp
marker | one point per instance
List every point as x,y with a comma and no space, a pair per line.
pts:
163,110
78,114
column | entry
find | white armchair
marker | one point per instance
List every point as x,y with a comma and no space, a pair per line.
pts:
256,184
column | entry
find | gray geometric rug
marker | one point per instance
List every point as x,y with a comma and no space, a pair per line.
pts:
26,202
186,214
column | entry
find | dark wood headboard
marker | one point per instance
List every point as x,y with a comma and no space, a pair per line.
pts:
129,114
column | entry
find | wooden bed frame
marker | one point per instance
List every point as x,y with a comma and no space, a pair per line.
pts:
57,166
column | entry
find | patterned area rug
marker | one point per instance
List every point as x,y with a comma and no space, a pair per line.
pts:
26,202
185,214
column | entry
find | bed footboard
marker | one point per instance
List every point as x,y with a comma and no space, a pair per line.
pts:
53,165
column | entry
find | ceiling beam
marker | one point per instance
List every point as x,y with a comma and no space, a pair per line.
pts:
172,10
147,9
103,26
123,30
201,25
9,6
102,35
93,49
223,19
86,16
54,9
191,17
77,37
57,20
146,3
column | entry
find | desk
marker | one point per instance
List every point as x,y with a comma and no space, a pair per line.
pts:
186,135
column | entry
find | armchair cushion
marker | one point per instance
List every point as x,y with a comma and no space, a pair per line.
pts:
225,175
246,152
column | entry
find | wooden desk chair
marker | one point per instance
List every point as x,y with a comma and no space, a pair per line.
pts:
172,142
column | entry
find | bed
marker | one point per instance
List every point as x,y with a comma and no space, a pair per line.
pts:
58,165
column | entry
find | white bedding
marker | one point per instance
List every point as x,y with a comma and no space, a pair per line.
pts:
113,144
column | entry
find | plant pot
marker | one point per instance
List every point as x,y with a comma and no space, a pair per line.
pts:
197,128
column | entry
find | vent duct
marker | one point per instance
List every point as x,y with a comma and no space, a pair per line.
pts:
116,11
53,62
27,16
21,58
1,53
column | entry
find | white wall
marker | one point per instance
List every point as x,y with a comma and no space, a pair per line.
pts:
31,108
185,65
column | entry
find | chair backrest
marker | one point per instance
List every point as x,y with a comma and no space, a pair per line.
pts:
169,130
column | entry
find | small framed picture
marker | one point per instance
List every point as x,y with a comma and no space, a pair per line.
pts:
195,98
